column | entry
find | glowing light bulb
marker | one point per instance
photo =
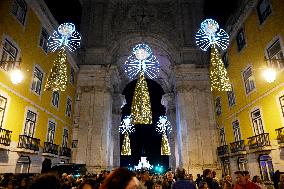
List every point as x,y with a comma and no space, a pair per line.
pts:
269,75
16,76
141,54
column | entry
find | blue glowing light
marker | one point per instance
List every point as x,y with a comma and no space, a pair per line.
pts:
163,125
142,59
210,34
126,125
67,36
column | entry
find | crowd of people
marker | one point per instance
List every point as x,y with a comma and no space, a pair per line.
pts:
122,178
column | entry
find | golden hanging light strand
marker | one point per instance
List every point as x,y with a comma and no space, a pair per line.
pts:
126,149
165,146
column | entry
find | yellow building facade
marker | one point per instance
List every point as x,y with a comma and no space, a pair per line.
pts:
35,125
251,117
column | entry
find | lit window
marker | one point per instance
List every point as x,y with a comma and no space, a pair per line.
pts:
257,122
30,123
218,107
241,40
43,39
263,10
37,81
222,137
55,99
65,138
9,54
237,131
51,131
275,55
225,59
281,101
72,76
248,80
266,167
68,107
231,97
19,9
242,164
3,104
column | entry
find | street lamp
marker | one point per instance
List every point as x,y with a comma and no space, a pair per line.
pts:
16,75
270,73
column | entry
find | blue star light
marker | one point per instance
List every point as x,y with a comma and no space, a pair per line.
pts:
126,125
66,35
210,34
163,125
142,59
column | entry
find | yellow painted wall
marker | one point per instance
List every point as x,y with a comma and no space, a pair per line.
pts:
258,38
27,38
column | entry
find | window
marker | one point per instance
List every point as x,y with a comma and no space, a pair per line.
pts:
68,107
242,164
43,39
9,55
248,80
263,10
51,131
281,101
72,76
266,167
257,122
218,107
55,99
237,130
225,59
275,55
65,138
37,81
19,10
30,123
3,104
74,143
231,98
226,166
222,137
241,40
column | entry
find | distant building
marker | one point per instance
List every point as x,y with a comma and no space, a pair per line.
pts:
250,118
35,125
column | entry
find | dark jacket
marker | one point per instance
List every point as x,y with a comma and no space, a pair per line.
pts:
183,184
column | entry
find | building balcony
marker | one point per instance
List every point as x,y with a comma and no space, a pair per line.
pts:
259,142
238,147
28,143
280,136
50,148
223,150
5,137
64,151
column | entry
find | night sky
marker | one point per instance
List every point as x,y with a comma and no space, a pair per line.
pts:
145,141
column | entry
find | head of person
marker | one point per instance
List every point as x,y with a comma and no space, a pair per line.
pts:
255,179
24,182
120,178
198,175
207,173
213,174
203,185
46,181
88,184
158,184
145,176
228,178
170,175
282,178
11,184
240,177
180,173
247,175
190,177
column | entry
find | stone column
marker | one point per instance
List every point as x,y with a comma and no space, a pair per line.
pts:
196,132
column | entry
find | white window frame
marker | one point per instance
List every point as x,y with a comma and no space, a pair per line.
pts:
262,17
72,78
25,127
67,108
65,139
271,59
249,83
43,42
231,97
257,122
14,59
21,20
4,109
222,136
237,130
32,81
53,100
218,107
242,32
50,137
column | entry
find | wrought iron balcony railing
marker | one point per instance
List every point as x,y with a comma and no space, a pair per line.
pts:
28,142
50,148
257,141
237,146
5,137
64,151
280,134
223,150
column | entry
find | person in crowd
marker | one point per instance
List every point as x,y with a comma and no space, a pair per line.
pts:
208,178
11,184
158,184
24,183
227,182
181,182
198,179
247,175
203,185
46,181
256,179
120,178
215,178
281,183
169,180
190,178
89,184
146,183
243,181
276,179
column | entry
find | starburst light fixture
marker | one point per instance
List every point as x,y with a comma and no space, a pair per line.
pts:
164,126
126,128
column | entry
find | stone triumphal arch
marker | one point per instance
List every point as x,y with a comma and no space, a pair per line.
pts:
110,29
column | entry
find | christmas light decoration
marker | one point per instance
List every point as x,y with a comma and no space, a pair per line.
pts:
16,76
126,128
65,36
269,75
141,105
210,35
164,127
